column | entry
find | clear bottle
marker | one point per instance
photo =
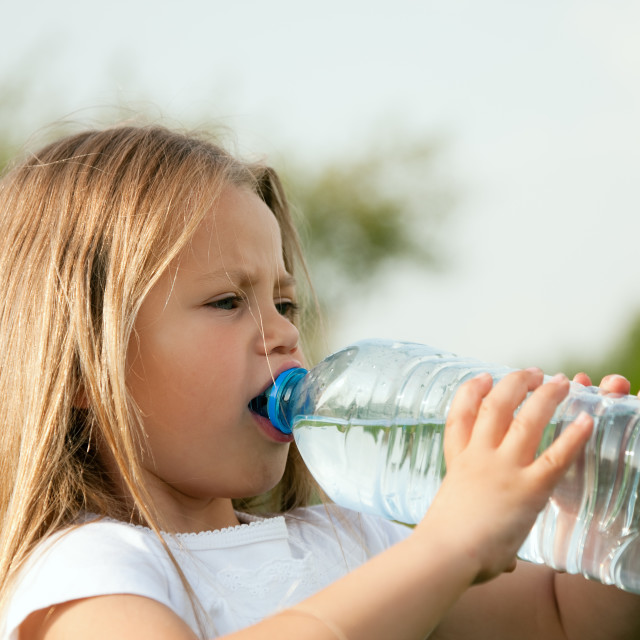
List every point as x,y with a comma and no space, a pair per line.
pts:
369,422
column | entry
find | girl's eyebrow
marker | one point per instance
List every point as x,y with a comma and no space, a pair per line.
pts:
286,280
243,278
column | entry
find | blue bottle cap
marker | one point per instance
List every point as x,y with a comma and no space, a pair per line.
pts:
278,396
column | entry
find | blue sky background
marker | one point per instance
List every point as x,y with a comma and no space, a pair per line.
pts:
537,103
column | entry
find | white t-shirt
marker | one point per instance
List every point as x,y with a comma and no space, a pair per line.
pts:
240,575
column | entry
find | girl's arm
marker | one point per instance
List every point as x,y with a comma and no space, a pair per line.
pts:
535,602
488,501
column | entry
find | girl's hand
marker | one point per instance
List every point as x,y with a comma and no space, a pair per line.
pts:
613,383
495,487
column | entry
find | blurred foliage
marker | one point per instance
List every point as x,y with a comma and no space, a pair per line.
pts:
11,99
361,215
624,358
27,100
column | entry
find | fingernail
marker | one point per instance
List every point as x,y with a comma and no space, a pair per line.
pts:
533,369
558,378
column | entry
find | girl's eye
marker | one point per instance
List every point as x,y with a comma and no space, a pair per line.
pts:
227,303
288,309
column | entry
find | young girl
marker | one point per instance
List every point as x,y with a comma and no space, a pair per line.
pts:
148,290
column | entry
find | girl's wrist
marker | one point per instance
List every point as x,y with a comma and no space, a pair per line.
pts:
435,543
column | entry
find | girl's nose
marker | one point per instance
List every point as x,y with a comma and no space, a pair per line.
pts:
279,334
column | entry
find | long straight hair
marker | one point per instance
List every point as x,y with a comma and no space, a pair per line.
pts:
87,225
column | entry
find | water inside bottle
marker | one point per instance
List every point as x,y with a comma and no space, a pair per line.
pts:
378,467
589,526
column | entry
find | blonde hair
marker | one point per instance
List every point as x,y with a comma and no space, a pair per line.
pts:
88,224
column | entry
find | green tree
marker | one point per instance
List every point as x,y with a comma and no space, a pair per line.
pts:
361,215
12,98
27,101
624,358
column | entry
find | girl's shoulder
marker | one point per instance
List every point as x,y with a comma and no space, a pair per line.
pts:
89,542
95,543
94,557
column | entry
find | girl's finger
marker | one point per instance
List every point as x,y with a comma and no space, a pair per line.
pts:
463,413
525,432
554,462
615,383
582,378
497,409
612,383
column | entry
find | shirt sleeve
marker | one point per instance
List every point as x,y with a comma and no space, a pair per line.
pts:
98,558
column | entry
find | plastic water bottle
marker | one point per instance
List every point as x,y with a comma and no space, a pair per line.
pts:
369,423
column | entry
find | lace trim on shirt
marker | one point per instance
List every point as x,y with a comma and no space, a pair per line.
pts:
253,529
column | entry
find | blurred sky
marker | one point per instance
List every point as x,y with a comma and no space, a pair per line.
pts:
538,102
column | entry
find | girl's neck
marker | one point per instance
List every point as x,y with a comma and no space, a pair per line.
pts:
215,515
185,514
179,512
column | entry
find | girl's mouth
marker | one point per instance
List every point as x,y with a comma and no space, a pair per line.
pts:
259,405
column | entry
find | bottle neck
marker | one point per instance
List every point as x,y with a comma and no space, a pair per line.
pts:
281,396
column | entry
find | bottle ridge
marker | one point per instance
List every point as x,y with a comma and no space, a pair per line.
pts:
369,424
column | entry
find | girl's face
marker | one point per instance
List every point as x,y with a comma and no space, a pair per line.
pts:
210,336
